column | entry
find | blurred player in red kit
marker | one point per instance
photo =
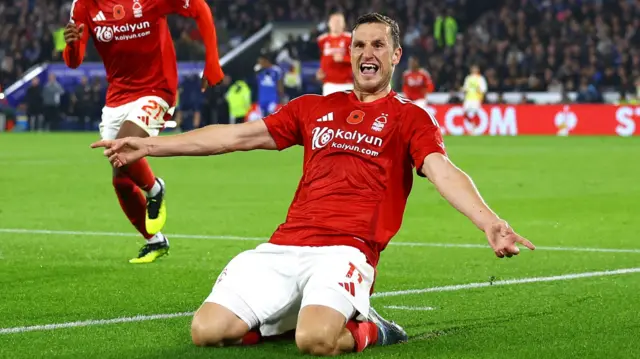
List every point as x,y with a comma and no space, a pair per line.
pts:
335,59
134,42
416,83
361,147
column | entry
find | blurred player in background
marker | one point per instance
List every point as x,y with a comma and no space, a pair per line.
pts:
335,59
270,86
474,88
135,45
361,147
417,83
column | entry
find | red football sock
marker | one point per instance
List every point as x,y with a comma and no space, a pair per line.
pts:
364,334
133,203
141,174
252,337
475,120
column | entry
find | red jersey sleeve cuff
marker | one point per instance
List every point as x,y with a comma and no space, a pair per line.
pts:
281,143
418,159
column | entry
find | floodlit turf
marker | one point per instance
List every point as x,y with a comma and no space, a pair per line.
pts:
559,192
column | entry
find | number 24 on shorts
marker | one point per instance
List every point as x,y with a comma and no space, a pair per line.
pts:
153,110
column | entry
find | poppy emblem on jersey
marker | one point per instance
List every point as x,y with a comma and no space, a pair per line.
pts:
378,123
118,12
355,117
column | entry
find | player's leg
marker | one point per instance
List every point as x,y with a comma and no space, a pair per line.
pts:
256,290
332,296
138,191
470,115
147,118
216,325
322,330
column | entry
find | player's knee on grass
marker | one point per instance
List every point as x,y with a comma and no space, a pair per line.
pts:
215,325
319,329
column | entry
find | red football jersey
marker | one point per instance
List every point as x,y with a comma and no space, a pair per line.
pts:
358,167
416,84
337,72
135,44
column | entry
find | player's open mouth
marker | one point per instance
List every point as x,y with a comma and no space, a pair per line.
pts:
368,69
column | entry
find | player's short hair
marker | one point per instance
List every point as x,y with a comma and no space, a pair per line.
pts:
376,18
336,11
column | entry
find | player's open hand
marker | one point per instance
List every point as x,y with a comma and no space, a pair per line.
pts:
73,33
123,151
503,240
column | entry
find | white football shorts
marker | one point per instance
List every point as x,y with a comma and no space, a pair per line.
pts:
268,286
329,88
147,112
471,107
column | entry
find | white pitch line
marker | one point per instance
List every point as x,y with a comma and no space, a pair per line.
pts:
403,307
241,238
448,288
86,323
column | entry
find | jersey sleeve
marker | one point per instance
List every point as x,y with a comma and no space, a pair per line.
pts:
201,12
430,86
73,53
185,8
284,125
482,84
423,136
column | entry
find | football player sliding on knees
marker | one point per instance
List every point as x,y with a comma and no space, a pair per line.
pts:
316,274
140,62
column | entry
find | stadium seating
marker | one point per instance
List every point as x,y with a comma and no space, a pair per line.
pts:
589,47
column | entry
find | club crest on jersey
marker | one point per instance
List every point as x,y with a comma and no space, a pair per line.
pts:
355,117
137,9
378,123
118,12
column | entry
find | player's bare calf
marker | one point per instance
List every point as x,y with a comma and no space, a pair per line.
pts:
321,331
216,326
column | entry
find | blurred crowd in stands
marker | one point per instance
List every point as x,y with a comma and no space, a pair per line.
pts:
586,46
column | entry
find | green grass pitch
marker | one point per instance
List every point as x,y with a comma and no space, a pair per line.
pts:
565,194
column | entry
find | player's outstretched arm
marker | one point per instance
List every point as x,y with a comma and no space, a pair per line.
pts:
201,13
206,141
458,188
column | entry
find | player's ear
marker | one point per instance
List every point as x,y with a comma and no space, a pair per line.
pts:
397,54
